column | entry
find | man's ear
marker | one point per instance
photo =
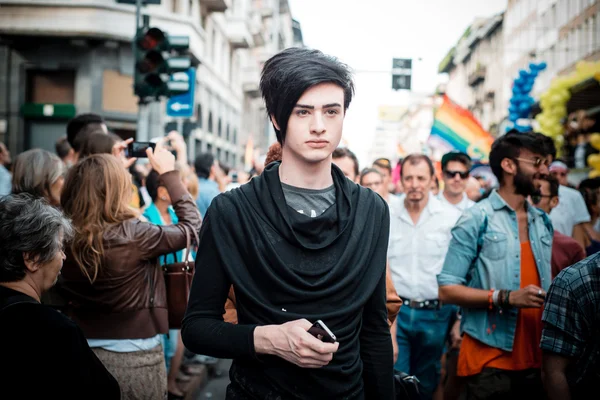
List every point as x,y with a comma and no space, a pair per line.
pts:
275,124
30,263
509,166
554,201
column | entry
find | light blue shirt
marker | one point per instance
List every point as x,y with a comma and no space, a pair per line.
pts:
498,265
5,181
207,191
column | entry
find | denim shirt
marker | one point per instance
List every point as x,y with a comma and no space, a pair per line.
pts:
498,265
207,191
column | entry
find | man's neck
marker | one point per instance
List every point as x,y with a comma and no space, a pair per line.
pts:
305,175
24,287
515,201
415,208
453,198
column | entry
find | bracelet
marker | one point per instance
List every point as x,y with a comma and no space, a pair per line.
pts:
490,299
507,302
495,297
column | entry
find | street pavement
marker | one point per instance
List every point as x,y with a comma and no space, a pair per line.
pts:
216,385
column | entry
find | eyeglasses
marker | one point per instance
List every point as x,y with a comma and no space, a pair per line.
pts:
537,162
562,174
452,174
536,198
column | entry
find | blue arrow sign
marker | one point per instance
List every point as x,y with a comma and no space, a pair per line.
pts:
182,105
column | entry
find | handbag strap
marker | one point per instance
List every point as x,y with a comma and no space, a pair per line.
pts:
188,249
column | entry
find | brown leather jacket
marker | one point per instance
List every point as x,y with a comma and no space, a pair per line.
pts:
393,302
128,299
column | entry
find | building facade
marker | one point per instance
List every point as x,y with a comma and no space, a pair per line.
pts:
558,32
61,58
475,71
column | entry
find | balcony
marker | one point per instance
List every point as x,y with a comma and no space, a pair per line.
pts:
216,5
250,81
238,33
477,76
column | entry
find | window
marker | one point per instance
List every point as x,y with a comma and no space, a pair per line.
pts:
198,146
209,148
234,136
210,122
227,133
227,157
219,127
218,154
199,116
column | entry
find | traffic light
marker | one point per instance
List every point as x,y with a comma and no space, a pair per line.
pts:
158,57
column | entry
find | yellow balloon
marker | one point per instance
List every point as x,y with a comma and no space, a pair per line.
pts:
594,173
559,141
593,161
595,140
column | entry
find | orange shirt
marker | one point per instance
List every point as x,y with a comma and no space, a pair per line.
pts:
475,355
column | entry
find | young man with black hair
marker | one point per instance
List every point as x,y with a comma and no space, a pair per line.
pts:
455,167
300,243
497,270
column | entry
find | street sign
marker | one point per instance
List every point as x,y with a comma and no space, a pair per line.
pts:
401,73
182,105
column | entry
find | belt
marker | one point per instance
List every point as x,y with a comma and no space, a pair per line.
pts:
422,304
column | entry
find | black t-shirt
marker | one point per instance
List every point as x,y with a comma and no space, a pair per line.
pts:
43,354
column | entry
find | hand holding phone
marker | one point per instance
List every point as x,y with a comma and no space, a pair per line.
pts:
162,160
138,149
322,332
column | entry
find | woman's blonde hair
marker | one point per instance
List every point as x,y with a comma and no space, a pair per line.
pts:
96,195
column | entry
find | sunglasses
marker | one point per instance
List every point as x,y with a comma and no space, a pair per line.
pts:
452,174
536,198
537,162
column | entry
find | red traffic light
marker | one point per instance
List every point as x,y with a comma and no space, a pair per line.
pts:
151,39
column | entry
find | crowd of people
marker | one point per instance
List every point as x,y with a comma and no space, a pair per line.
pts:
480,292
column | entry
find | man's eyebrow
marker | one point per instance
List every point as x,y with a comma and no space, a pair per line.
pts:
330,105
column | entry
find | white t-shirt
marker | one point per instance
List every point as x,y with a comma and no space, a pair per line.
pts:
465,203
570,211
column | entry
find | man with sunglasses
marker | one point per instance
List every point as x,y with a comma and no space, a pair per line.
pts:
497,269
565,250
456,166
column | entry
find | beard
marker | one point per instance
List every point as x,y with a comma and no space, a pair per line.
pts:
524,185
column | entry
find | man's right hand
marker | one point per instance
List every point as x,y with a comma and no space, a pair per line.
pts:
292,342
530,296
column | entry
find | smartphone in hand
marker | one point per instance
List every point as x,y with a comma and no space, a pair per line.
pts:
138,149
322,332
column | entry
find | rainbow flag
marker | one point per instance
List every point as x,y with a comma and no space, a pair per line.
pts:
455,128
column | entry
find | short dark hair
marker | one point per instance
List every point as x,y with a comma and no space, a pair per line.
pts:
289,73
152,184
553,184
414,159
366,172
203,164
62,147
456,156
28,225
549,146
78,125
384,163
342,152
510,145
97,142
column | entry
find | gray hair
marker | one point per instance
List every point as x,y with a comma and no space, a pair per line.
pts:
35,171
29,225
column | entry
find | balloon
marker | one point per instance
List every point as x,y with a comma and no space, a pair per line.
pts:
542,66
524,107
513,117
559,141
593,161
523,73
595,140
594,173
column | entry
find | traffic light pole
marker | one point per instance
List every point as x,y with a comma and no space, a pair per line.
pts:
142,117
